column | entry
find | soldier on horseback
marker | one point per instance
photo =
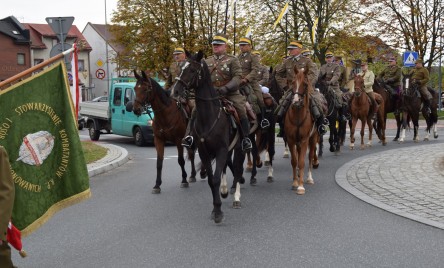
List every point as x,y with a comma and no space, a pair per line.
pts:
174,70
391,78
420,77
369,80
263,76
331,72
249,86
285,76
226,74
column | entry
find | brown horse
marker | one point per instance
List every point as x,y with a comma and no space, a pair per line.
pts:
360,110
169,124
301,132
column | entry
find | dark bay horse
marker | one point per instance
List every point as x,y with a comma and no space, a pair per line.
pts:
336,129
360,110
301,132
213,131
411,106
169,124
389,104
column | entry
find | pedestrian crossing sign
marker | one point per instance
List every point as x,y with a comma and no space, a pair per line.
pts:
409,58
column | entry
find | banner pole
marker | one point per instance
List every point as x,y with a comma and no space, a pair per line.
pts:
35,68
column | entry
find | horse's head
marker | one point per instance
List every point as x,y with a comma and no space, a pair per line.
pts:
143,91
359,85
409,86
191,73
301,86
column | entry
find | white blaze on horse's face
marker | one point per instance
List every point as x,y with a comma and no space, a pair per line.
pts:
407,81
185,65
296,96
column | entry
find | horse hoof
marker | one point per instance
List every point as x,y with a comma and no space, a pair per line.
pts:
203,174
236,204
285,155
435,136
184,185
267,163
332,149
315,166
253,181
248,169
192,179
232,190
155,191
259,165
224,195
217,217
294,188
395,139
426,139
362,147
310,181
241,180
352,148
300,190
270,179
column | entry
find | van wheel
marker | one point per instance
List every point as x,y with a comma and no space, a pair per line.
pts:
138,137
94,134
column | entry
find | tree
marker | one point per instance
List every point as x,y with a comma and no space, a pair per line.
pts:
413,25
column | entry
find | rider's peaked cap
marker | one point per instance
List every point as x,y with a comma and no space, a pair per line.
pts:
392,59
329,54
244,41
357,62
419,61
220,39
294,44
178,50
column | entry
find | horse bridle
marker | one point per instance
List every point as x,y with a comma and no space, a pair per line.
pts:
299,103
147,91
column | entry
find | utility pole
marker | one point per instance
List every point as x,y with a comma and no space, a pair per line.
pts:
440,71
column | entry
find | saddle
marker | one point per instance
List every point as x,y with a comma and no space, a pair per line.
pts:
230,110
182,104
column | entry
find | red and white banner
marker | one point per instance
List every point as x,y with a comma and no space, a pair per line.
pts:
75,90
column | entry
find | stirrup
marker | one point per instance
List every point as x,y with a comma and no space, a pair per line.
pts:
188,141
343,118
246,144
326,122
265,123
322,129
428,110
375,116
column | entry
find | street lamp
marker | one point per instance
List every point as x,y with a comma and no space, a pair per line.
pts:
439,70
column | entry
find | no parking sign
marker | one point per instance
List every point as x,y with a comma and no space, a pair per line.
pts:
100,74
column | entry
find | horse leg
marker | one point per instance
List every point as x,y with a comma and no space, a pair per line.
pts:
192,177
294,164
267,159
352,132
312,159
270,153
214,181
403,127
181,161
415,130
249,166
398,126
238,161
302,149
160,147
370,132
254,153
286,151
223,183
362,133
321,145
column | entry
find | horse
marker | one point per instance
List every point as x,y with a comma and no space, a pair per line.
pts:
213,133
336,129
169,125
263,140
301,132
411,100
360,110
389,104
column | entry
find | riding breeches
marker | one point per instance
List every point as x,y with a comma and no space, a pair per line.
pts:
371,95
425,93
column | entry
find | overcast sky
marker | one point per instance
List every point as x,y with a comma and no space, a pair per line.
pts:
35,11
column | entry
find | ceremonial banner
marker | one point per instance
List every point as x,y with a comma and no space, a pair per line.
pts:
39,131
281,15
313,30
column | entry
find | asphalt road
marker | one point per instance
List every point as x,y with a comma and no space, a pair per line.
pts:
124,225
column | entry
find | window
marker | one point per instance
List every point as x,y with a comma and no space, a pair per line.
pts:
20,58
117,99
81,65
37,61
129,95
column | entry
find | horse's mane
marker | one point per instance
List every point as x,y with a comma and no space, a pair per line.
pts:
303,77
162,93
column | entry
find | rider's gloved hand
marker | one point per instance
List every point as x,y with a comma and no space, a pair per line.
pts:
222,90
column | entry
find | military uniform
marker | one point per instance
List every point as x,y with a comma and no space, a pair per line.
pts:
391,75
263,76
250,68
173,72
421,77
369,80
7,193
331,72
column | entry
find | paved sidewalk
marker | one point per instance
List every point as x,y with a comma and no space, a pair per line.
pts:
115,157
406,181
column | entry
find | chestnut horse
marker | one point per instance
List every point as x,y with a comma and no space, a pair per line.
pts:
300,131
169,125
360,110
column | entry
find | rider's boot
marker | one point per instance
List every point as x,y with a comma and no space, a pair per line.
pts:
282,107
375,109
264,122
188,140
319,118
246,142
342,113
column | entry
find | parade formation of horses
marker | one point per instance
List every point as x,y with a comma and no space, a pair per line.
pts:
360,110
336,129
169,125
411,106
213,131
300,131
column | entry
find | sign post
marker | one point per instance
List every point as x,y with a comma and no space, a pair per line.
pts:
409,58
61,26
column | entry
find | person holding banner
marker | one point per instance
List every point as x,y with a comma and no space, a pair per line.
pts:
7,194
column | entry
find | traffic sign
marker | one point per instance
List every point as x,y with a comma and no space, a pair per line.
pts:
57,49
60,26
100,74
409,58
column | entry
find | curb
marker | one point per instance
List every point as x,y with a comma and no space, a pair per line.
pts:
116,157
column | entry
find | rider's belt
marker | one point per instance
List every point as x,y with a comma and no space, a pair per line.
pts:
220,83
